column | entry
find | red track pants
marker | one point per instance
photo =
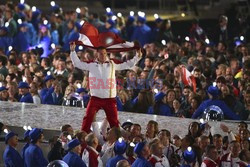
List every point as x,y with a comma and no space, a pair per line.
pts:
95,104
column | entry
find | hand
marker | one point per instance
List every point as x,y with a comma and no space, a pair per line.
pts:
224,128
139,52
72,46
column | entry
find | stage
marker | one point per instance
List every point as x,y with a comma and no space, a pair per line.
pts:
51,118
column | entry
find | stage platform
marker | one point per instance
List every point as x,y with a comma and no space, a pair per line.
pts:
52,117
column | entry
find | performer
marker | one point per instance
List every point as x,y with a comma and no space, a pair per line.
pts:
102,84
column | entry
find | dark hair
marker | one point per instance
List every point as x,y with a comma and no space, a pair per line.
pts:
242,122
167,132
217,136
65,127
209,148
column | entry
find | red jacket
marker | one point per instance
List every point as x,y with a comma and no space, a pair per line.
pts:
207,162
228,161
91,157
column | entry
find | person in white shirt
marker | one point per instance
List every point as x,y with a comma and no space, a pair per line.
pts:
158,159
108,147
232,158
102,84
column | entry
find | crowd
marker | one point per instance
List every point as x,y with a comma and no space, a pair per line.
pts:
177,76
126,146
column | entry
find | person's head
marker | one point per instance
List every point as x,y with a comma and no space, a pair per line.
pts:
152,128
245,156
165,136
33,88
235,148
4,95
36,135
221,81
211,152
221,70
170,95
101,54
142,150
223,20
195,102
81,136
244,134
91,140
123,163
204,142
67,128
176,104
75,146
217,141
177,141
186,91
177,90
186,142
242,125
61,65
149,62
11,139
194,129
45,62
245,144
23,88
156,148
113,134
136,130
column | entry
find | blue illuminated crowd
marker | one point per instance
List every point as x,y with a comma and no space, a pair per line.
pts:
180,76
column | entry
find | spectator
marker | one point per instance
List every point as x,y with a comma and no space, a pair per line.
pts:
24,92
72,158
11,156
143,153
33,154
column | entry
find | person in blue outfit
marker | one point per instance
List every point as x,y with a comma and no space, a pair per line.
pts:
142,151
110,26
26,97
33,155
46,93
11,156
27,140
72,158
5,40
20,42
130,27
213,93
71,35
142,32
160,108
119,149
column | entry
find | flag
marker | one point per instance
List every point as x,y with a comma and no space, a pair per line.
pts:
91,38
188,78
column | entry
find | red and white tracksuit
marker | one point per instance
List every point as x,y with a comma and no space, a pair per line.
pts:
228,161
91,157
208,162
102,84
159,161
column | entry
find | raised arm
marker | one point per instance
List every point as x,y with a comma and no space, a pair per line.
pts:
76,61
130,63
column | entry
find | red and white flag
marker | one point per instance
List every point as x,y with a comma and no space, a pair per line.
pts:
91,38
188,78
